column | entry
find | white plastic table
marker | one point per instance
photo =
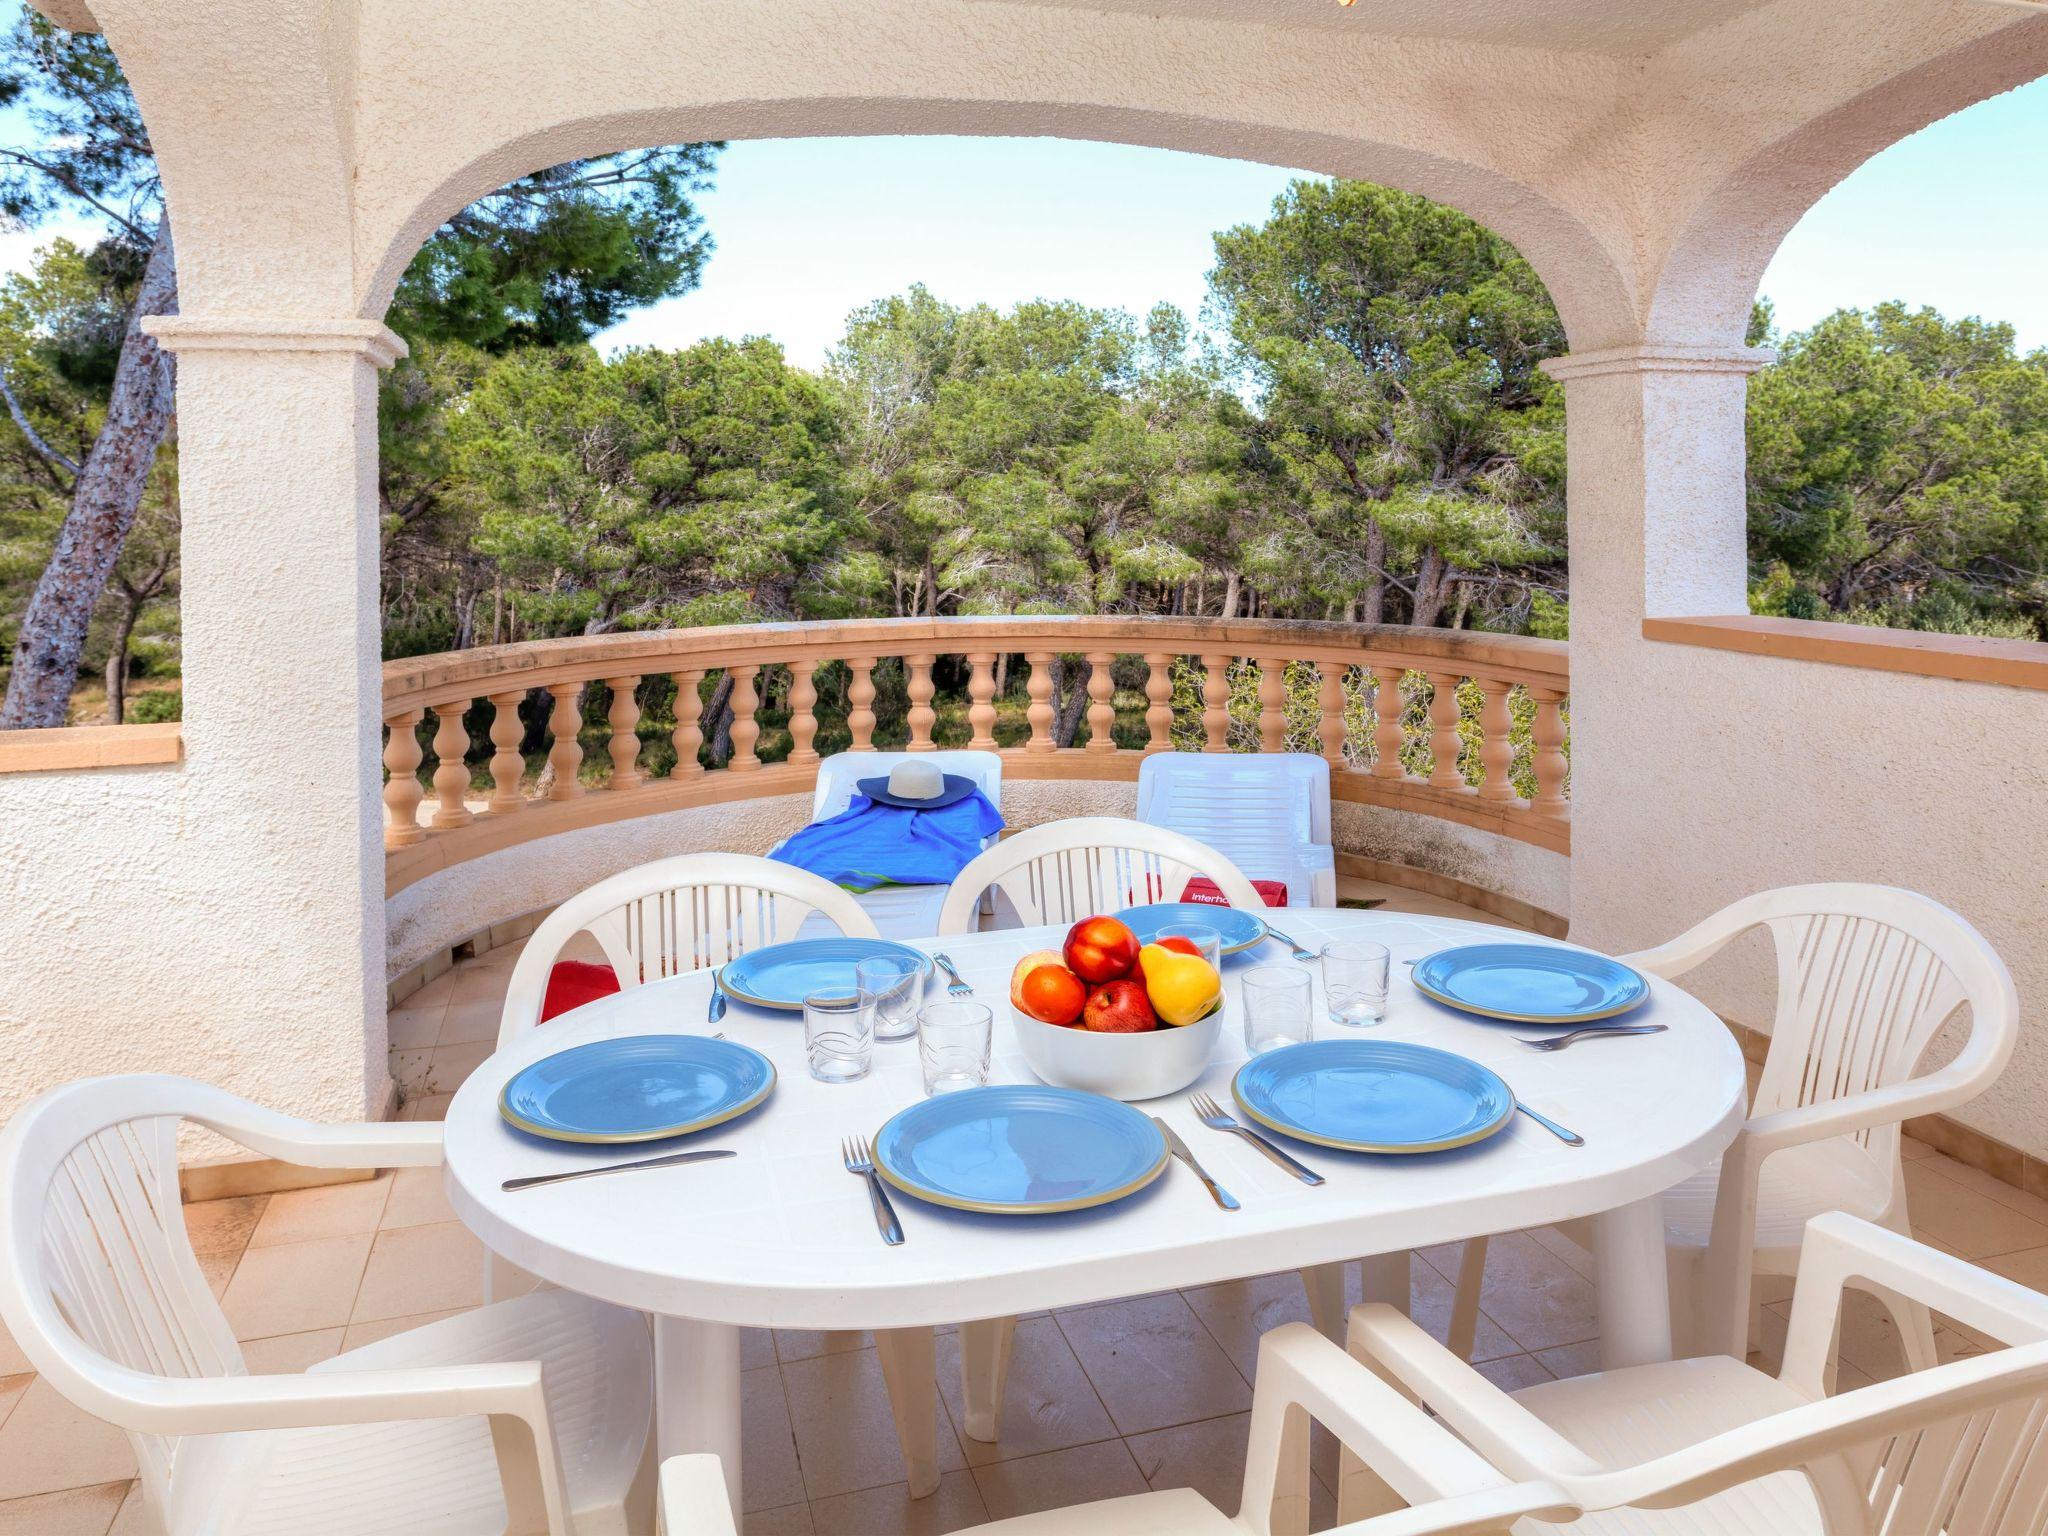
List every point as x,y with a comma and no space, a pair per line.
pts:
782,1236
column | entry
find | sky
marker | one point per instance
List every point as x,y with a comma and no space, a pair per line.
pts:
808,230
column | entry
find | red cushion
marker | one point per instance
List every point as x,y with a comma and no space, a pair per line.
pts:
1207,892
572,983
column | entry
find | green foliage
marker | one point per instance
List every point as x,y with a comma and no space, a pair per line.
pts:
156,707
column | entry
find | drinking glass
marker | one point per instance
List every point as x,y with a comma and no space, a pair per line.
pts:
1279,1007
888,988
1355,977
838,1037
953,1046
1201,935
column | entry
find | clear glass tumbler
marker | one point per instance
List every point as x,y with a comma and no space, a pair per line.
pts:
1355,979
1279,1007
1203,937
953,1042
838,1039
889,994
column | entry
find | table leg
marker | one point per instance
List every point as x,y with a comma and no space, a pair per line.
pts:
1635,1287
1386,1279
909,1371
697,1394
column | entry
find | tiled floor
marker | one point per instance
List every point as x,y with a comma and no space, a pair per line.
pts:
1107,1399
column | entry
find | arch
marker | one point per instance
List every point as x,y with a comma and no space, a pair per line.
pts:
1710,276
1589,287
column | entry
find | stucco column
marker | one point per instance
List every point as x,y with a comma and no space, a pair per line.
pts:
1655,455
277,444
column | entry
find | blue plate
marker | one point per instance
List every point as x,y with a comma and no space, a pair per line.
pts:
783,975
636,1088
1020,1151
1530,983
1238,929
1373,1095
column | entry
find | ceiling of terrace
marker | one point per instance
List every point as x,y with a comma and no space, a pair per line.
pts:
1576,26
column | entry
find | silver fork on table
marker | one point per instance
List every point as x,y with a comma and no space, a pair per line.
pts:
1559,1042
954,986
1293,944
1211,1114
860,1160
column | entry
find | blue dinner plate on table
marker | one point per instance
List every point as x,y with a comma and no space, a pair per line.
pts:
636,1088
1373,1095
1530,983
783,975
1020,1151
1238,929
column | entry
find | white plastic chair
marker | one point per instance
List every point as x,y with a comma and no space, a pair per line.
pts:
900,911
1867,976
529,1416
1064,871
1707,1447
1268,811
674,915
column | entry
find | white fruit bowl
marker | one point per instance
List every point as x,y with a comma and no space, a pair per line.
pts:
1143,1066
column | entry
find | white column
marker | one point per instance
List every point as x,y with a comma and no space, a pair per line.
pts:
277,445
1655,455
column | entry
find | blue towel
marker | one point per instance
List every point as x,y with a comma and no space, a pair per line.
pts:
867,844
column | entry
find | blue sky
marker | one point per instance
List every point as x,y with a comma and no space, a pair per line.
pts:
809,229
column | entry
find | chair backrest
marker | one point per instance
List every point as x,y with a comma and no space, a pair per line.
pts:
837,774
1257,808
1867,976
97,1276
674,915
1064,871
1955,1450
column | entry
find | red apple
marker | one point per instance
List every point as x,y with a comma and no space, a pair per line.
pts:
1052,994
1119,1008
1101,949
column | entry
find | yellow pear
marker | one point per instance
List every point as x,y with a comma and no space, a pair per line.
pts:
1183,988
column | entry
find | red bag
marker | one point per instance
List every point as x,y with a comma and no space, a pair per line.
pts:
572,983
1206,891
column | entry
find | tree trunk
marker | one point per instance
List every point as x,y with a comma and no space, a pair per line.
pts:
931,590
718,720
1429,589
1372,606
103,504
117,656
1066,720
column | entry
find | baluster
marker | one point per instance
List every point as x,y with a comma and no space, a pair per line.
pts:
1039,688
1272,705
624,746
981,701
803,712
451,773
1330,722
1496,748
922,717
1548,758
1443,731
1158,703
508,768
1216,704
566,757
402,792
1101,704
746,730
688,735
860,703
1389,735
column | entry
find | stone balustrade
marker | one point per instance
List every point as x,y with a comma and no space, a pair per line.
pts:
1479,735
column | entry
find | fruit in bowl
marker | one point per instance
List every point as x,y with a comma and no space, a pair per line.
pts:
1109,1015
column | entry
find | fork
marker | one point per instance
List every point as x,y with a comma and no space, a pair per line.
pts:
1293,944
954,986
1559,1042
859,1159
1211,1114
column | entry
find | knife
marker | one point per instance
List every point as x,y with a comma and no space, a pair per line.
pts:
1180,1150
674,1159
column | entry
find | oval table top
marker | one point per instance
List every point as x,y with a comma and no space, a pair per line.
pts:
781,1236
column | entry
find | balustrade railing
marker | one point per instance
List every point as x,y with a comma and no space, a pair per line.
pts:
1471,727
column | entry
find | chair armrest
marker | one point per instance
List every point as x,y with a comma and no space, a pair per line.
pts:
206,1405
1475,1514
311,1143
1413,1455
1500,1429
694,1501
